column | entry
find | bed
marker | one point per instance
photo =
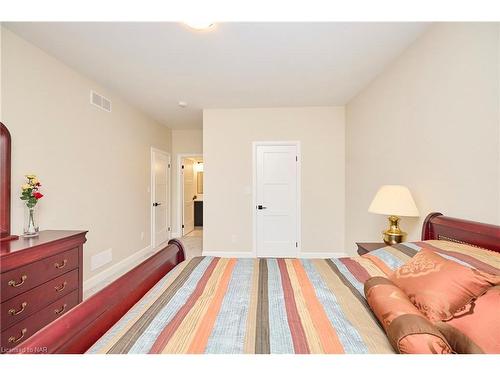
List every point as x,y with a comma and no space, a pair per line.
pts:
223,305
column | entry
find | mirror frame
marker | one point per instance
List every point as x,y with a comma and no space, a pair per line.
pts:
5,151
199,186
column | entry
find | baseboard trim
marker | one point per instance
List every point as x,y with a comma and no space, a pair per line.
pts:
250,254
116,270
228,254
322,255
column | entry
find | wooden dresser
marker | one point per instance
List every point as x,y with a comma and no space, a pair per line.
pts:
41,279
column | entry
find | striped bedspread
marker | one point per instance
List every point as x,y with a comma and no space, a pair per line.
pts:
227,305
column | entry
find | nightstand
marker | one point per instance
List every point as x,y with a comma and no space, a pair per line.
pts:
366,247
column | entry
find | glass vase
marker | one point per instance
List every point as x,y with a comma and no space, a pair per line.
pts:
30,221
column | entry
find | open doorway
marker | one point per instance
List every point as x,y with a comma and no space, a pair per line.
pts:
191,195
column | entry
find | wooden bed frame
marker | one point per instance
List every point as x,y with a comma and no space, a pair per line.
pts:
82,326
76,331
439,227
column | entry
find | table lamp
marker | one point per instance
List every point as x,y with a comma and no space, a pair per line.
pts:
395,201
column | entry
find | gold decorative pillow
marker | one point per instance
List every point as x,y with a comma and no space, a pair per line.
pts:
407,329
439,287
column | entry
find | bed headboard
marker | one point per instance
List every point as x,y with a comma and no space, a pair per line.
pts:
439,227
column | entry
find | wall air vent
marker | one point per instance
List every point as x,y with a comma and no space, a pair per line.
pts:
100,101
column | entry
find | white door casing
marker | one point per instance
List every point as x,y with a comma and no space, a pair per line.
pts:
276,199
189,193
160,197
179,195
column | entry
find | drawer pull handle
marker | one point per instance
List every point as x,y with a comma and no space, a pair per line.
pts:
13,312
61,310
61,287
17,285
61,265
13,339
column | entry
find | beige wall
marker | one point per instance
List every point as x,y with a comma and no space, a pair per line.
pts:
436,107
187,142
228,208
431,122
94,165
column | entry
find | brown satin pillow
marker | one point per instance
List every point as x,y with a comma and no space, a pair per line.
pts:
438,287
475,328
408,331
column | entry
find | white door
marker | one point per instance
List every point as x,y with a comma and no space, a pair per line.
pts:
160,196
189,195
276,200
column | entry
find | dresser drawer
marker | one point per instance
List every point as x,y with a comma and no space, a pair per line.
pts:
31,275
19,332
25,304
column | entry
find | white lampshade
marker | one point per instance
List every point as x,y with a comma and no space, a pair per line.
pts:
393,200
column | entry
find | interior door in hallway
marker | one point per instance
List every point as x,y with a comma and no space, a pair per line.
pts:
277,199
189,193
160,197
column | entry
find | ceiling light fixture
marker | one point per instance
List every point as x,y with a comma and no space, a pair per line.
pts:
200,24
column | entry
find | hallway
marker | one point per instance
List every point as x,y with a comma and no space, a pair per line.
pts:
193,242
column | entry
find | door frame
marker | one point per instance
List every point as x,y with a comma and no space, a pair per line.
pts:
255,144
180,188
152,195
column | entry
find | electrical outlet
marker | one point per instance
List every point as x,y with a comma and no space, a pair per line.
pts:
100,259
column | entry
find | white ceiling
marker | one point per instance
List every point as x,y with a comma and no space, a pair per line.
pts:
156,65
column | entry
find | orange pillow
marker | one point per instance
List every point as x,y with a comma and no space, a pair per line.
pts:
438,287
475,328
408,331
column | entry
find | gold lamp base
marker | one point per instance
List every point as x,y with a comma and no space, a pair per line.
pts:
394,234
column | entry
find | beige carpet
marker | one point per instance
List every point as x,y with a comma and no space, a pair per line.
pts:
193,243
